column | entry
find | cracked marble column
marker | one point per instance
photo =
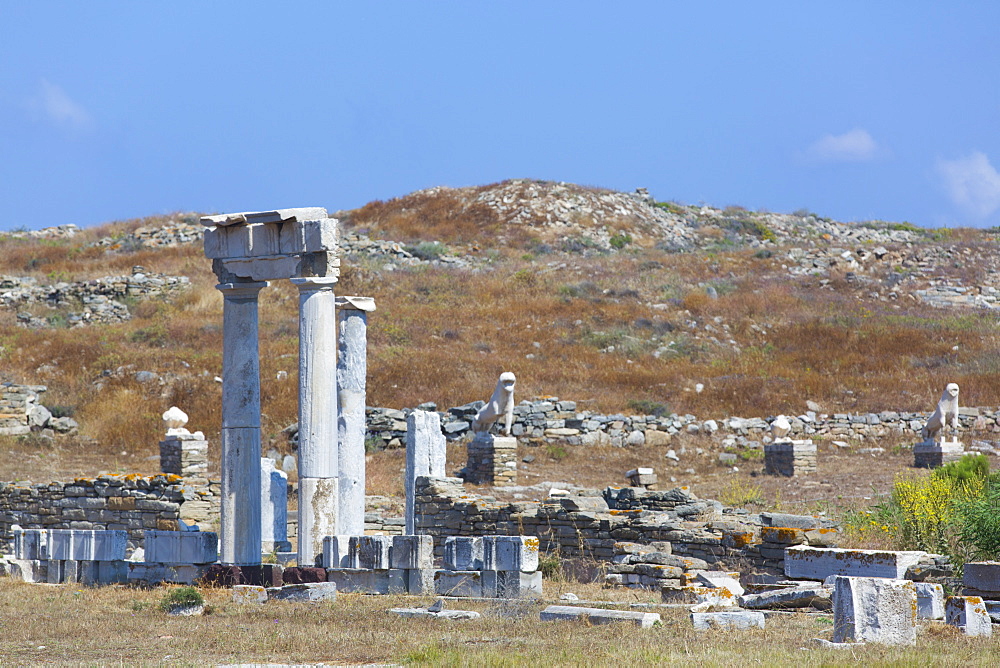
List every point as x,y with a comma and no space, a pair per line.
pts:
240,530
352,370
317,415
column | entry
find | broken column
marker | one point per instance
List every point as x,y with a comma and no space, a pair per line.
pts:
425,456
352,370
240,526
317,454
273,507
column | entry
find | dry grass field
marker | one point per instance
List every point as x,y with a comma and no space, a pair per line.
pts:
116,625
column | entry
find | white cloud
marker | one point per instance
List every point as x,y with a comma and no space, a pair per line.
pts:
972,183
53,104
853,146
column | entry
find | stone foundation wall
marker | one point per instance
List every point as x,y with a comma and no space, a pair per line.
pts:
131,503
590,527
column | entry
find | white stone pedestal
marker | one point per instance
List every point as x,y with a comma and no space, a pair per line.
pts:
492,459
788,457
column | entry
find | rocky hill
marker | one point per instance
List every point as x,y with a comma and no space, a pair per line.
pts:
613,301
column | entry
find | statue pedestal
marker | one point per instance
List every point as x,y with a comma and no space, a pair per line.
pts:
931,454
790,458
492,459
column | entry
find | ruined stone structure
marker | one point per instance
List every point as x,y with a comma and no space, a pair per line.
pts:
248,250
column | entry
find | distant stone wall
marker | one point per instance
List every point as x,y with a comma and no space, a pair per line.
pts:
590,527
130,502
554,420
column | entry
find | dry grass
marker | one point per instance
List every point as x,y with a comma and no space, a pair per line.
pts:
357,629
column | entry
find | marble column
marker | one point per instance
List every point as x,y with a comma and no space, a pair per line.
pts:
240,525
317,461
352,370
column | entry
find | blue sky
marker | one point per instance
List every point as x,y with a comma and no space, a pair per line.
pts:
854,110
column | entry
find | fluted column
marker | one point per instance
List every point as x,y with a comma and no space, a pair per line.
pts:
317,416
352,370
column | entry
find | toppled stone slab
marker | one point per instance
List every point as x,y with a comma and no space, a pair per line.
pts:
309,592
720,580
732,620
252,594
969,614
815,596
817,563
454,615
643,620
878,610
707,597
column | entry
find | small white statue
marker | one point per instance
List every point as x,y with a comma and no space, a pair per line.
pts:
945,413
175,419
501,403
780,428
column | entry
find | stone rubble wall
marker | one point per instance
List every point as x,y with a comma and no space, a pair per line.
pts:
19,404
590,527
553,420
97,299
131,503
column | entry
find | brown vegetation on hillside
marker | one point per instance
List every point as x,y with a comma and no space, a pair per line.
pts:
606,329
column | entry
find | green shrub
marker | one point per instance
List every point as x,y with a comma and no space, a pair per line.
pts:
556,451
620,240
550,564
427,250
969,467
182,597
979,523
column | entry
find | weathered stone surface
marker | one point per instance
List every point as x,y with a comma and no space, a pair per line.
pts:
511,584
310,592
969,614
458,583
817,596
727,620
412,552
982,576
817,563
873,609
463,553
599,616
181,547
251,594
930,600
421,613
510,553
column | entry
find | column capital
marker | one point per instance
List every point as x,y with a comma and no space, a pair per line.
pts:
312,283
356,303
241,288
